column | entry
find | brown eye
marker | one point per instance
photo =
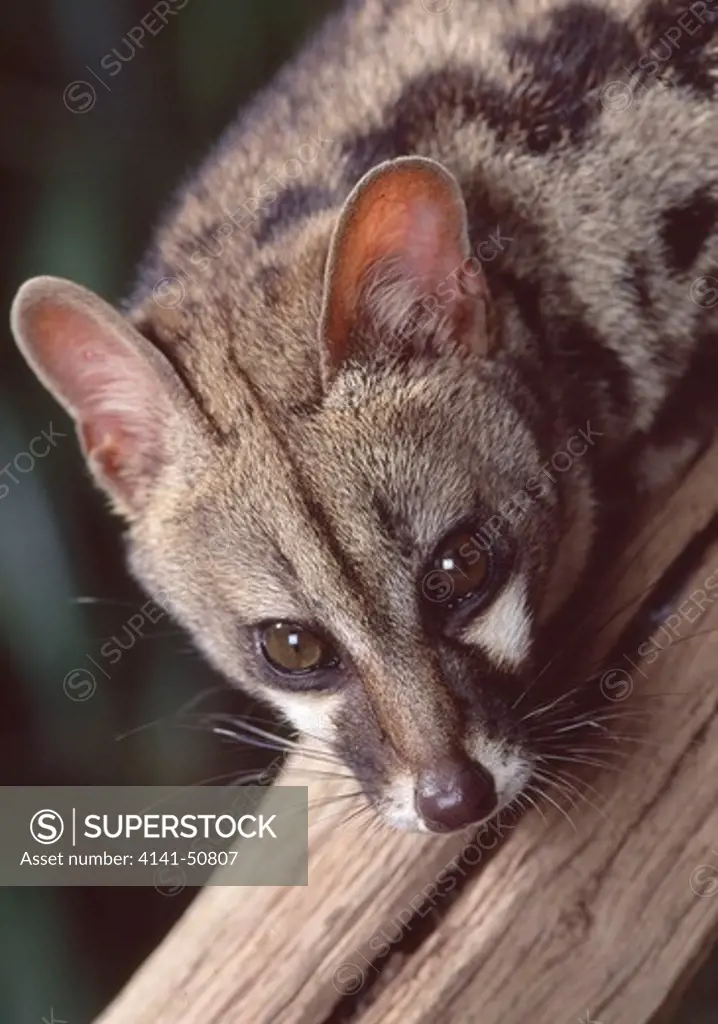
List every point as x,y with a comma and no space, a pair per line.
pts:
460,569
294,649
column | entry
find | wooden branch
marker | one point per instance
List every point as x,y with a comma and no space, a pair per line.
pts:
557,923
605,920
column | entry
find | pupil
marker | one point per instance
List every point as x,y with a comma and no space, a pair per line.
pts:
301,649
295,649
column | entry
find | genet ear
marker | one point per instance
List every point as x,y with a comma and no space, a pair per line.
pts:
400,259
122,393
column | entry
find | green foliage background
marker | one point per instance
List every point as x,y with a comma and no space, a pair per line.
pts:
80,192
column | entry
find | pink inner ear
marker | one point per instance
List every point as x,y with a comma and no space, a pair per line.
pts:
427,252
113,393
409,212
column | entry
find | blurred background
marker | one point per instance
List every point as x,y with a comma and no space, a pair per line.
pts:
89,154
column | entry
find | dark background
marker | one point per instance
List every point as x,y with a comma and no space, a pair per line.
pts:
82,179
81,189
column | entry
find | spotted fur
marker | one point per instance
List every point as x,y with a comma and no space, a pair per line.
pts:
584,139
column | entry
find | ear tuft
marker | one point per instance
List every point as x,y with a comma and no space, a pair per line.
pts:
401,248
121,391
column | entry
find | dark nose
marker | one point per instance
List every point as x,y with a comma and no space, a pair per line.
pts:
454,793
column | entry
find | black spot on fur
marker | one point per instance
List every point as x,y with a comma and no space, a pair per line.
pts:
526,295
560,72
393,525
692,399
434,103
679,35
637,282
291,206
532,395
563,68
686,228
596,377
595,381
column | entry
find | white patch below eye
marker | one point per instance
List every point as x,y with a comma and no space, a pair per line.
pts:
504,629
311,713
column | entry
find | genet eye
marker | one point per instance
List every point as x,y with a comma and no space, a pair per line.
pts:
461,567
293,649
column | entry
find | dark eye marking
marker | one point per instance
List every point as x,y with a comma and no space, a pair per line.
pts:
463,571
686,228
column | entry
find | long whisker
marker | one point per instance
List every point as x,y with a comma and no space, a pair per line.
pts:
272,741
323,772
322,801
556,785
531,803
341,812
622,608
589,721
545,708
236,737
590,727
630,755
364,809
583,782
558,807
255,730
314,773
535,679
181,711
570,759
596,631
561,782
226,775
248,777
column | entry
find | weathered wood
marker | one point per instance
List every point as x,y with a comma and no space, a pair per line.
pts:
604,920
556,924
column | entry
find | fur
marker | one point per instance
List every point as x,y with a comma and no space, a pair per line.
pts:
317,495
